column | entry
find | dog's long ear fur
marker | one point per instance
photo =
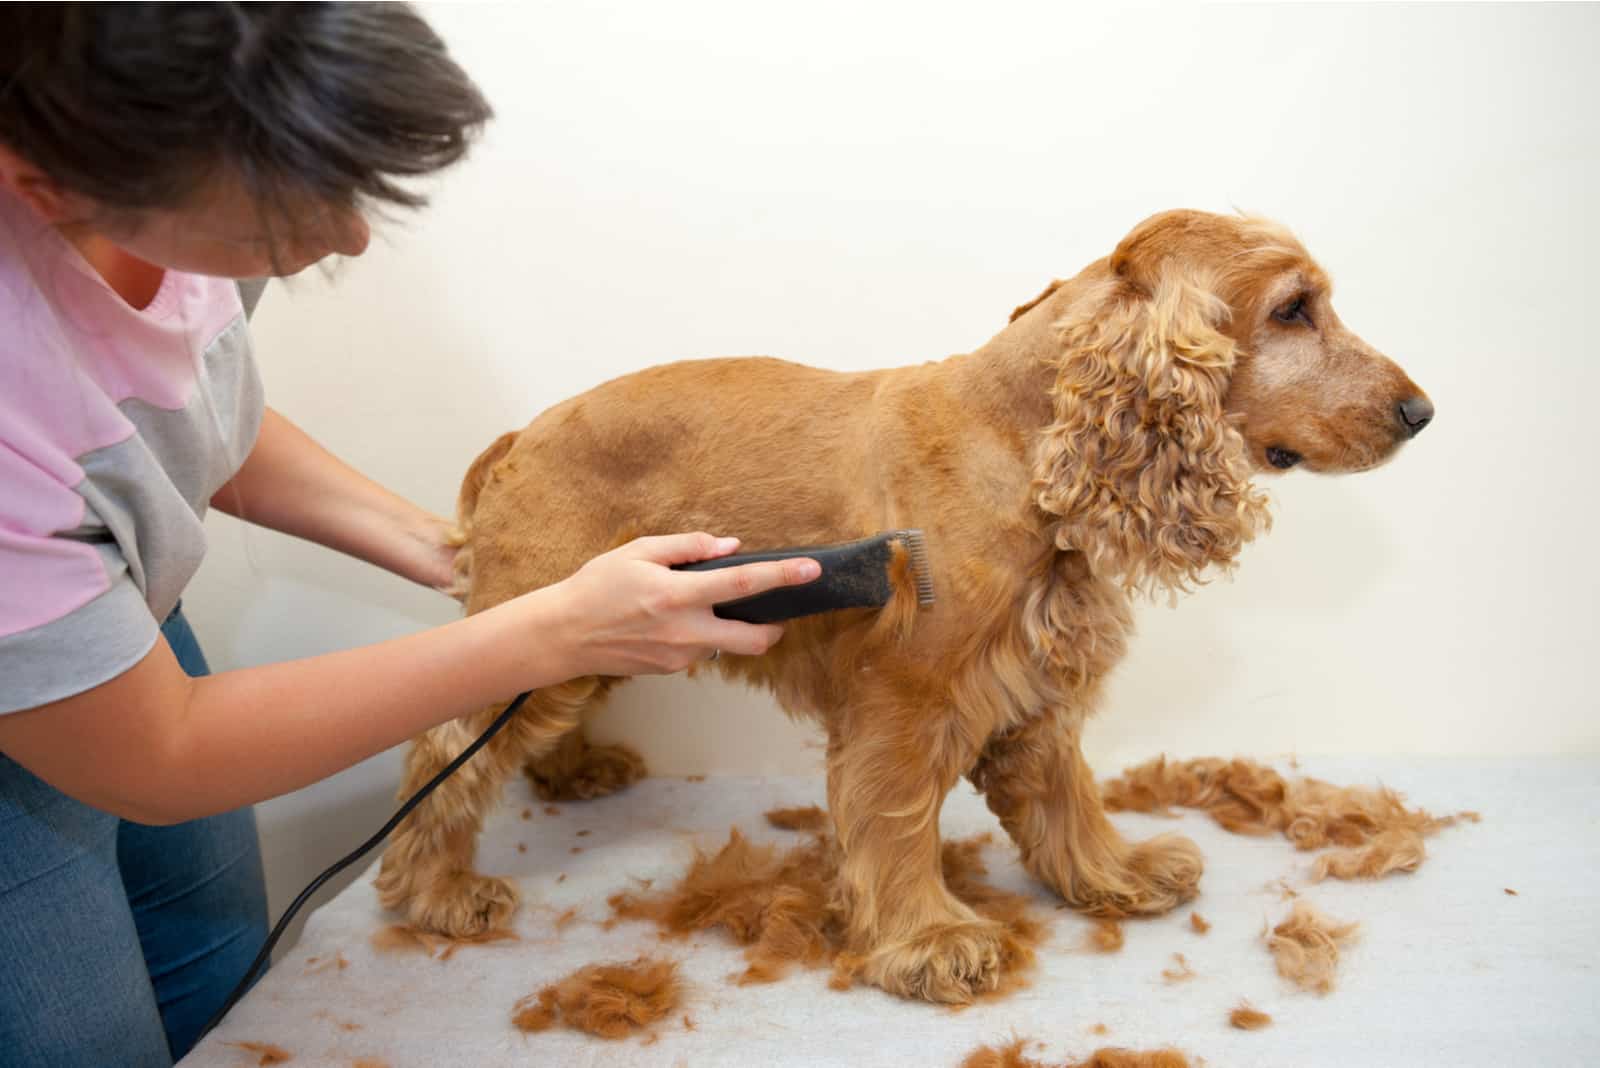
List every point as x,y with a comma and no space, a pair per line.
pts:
1149,478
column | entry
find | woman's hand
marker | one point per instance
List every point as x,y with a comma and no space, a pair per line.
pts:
292,484
434,555
627,613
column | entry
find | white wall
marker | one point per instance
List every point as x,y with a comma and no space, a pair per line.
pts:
867,185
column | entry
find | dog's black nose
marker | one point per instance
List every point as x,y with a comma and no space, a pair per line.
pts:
1415,414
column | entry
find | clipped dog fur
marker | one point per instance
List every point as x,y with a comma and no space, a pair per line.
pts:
605,1000
783,907
401,938
807,818
1198,923
1248,1018
1306,947
1249,798
1011,1055
1106,936
1106,444
1179,971
269,1053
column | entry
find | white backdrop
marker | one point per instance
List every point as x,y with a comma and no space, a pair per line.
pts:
869,185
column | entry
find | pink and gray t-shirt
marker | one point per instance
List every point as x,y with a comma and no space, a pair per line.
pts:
116,427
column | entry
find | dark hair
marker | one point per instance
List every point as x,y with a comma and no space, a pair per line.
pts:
136,105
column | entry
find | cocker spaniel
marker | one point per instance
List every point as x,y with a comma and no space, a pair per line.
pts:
1100,446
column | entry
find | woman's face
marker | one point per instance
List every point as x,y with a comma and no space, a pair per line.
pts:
224,233
221,230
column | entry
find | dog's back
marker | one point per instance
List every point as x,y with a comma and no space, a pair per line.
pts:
756,447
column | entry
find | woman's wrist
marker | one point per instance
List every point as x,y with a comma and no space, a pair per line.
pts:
534,638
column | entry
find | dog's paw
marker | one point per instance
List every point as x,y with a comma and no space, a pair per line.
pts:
1157,876
1168,869
949,963
462,904
595,772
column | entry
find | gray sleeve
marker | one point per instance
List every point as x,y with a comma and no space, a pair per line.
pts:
250,293
84,648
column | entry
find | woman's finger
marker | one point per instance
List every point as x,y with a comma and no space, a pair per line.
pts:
744,639
669,549
747,580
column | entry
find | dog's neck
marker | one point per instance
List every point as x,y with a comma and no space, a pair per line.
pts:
1009,377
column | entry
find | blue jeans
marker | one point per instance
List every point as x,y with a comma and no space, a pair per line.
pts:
117,940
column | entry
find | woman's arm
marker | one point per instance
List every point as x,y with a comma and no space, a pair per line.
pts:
292,484
156,746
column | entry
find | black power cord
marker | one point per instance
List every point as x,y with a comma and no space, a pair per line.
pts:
360,851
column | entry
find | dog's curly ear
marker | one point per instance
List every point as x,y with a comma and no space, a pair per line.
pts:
1148,476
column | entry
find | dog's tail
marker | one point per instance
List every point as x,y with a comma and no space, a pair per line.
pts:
472,485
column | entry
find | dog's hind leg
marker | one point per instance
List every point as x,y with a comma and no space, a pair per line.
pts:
888,774
1035,779
577,770
427,869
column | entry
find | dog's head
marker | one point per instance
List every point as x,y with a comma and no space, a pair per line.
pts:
1203,351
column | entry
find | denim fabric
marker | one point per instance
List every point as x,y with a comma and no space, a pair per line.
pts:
118,940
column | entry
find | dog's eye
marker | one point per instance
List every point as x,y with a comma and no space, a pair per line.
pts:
1282,458
1294,312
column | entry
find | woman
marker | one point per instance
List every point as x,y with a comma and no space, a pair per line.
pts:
149,155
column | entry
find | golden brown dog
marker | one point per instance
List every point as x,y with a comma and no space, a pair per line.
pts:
1100,445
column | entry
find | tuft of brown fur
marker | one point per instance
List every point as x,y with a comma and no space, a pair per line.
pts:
782,907
1199,923
1247,1018
1397,849
1306,947
1103,443
316,966
1179,971
1011,1055
1249,798
605,1000
401,938
270,1054
1106,936
807,818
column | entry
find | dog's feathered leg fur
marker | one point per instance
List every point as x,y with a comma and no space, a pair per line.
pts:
1036,781
427,869
888,775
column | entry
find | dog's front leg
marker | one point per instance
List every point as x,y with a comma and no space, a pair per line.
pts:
1035,779
892,758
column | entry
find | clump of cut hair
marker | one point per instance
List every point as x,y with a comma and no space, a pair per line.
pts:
782,906
1011,1055
403,938
1306,947
805,818
1180,970
1247,1017
605,1000
1381,834
137,106
1106,937
270,1054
